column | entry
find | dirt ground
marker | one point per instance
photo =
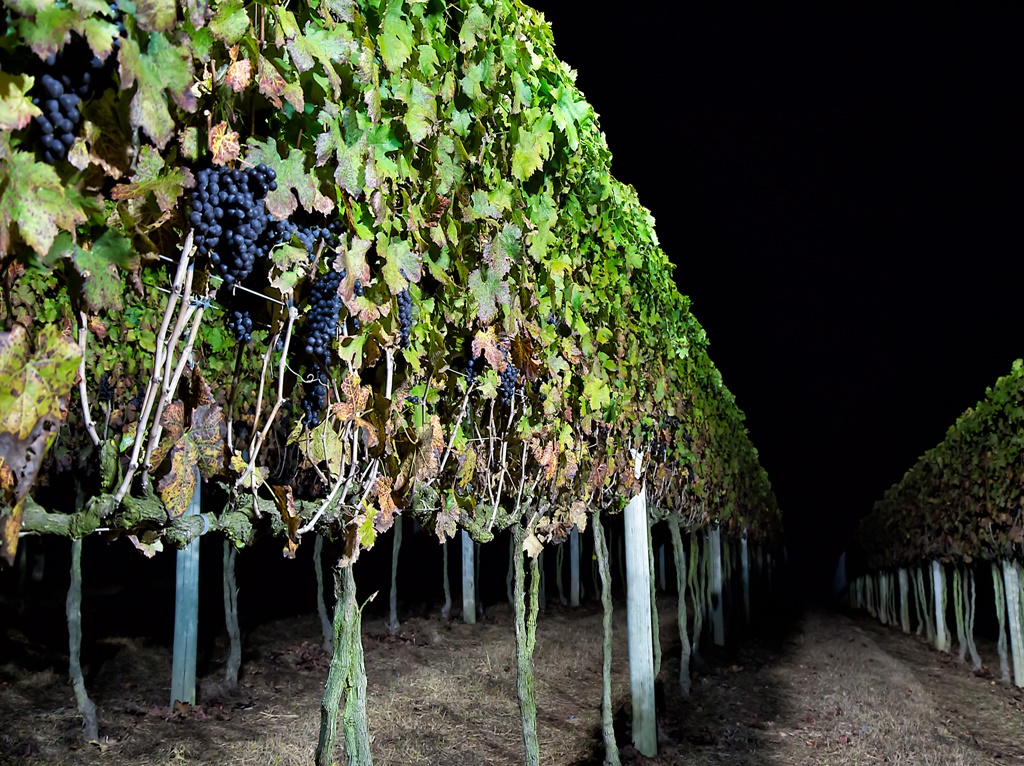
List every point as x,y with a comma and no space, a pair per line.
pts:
828,690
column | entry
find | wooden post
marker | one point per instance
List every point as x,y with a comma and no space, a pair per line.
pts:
717,610
638,618
186,614
468,590
574,567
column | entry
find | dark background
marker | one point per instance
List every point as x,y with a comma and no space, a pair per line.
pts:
841,199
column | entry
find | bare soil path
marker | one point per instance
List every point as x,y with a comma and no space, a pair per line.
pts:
839,690
834,690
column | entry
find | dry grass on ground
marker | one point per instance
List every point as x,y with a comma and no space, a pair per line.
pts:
837,691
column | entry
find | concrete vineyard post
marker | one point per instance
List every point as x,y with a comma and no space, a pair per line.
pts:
939,590
468,589
1011,585
638,618
559,565
574,567
662,581
186,614
393,624
321,604
745,564
446,610
717,607
904,602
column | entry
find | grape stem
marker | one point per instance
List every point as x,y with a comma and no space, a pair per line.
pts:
157,377
259,436
90,426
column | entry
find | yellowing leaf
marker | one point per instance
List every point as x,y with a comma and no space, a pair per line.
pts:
239,75
16,108
33,197
32,384
163,67
223,142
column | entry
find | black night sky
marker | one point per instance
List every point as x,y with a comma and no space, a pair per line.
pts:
842,203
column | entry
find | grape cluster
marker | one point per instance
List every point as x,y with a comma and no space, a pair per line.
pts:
540,381
106,393
68,77
474,367
322,321
314,399
509,381
229,218
308,234
240,324
404,318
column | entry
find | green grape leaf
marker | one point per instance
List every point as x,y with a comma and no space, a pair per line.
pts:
34,198
568,113
33,384
202,447
298,46
596,393
321,444
45,26
474,28
155,15
163,67
532,149
98,267
490,291
421,109
395,39
16,107
153,177
291,176
230,22
401,265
